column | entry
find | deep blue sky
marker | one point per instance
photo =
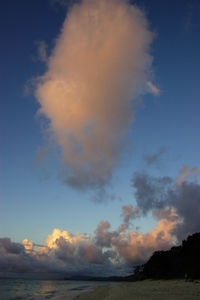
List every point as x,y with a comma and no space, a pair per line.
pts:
34,201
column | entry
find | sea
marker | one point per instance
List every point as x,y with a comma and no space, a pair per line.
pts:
27,289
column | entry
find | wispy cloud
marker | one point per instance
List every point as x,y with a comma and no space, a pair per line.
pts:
42,51
191,17
153,88
186,172
151,159
62,3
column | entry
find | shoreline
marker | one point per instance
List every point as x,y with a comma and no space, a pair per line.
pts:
178,289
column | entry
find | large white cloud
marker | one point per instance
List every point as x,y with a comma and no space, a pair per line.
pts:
101,63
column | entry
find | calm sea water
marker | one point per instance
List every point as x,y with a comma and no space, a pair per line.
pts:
11,289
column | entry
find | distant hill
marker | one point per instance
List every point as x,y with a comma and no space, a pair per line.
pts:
178,262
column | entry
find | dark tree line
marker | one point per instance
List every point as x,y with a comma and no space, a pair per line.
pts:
178,262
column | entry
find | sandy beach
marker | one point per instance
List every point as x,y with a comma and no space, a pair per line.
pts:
147,289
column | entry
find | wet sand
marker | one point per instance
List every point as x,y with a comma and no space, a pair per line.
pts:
147,289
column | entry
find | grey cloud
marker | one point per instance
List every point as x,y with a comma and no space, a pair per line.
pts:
151,192
186,200
13,258
7,246
128,214
157,193
103,235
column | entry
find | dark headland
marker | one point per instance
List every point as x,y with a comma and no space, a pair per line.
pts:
180,262
173,274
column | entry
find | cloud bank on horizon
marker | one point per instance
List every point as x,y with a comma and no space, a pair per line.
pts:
107,252
100,65
175,206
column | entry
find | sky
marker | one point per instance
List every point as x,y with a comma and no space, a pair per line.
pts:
99,126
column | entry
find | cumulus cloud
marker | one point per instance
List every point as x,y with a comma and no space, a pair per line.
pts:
107,252
51,241
101,63
28,245
138,247
103,234
128,214
153,194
